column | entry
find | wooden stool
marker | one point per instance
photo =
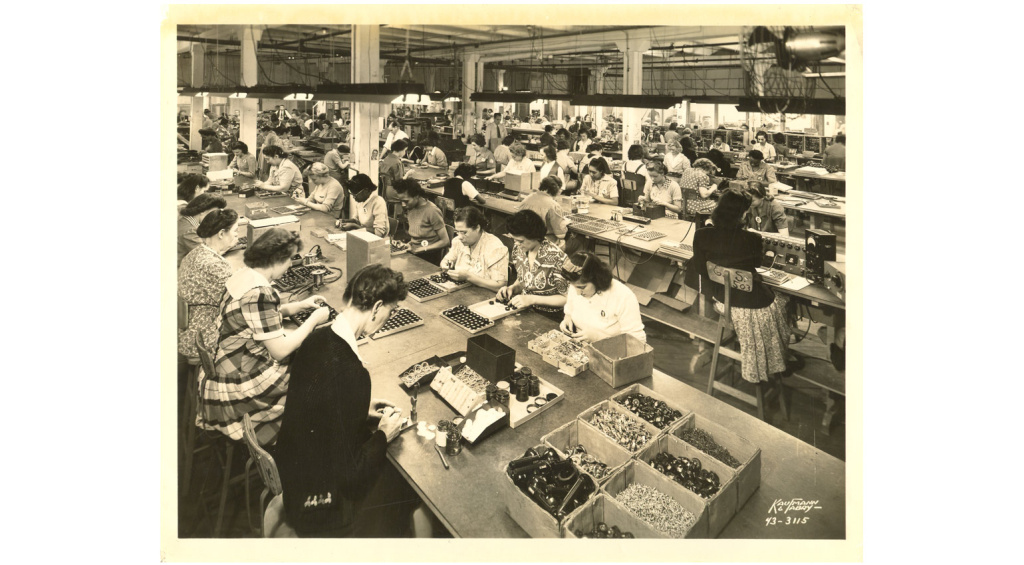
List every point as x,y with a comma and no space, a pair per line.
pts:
742,281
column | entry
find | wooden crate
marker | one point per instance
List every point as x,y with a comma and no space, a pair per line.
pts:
637,472
597,444
722,506
603,508
635,388
621,360
748,475
585,416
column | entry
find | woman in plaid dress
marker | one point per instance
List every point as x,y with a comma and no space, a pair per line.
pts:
253,351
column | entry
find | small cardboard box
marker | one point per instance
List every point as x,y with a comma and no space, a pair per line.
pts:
603,508
597,444
637,472
536,521
256,228
586,415
492,359
620,360
722,506
364,248
525,183
748,474
620,396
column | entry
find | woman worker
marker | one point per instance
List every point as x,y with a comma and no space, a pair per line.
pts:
765,214
663,190
476,256
253,349
700,178
201,278
482,157
635,163
598,306
337,162
675,161
332,449
426,224
599,184
370,212
538,264
191,185
550,167
243,163
325,193
759,316
285,176
189,219
459,189
543,203
519,165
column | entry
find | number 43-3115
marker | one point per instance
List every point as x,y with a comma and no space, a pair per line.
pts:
774,521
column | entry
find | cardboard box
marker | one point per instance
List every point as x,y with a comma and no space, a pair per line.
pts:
525,183
603,508
597,444
638,472
633,389
621,360
748,474
492,359
256,210
536,521
364,248
586,415
256,228
722,506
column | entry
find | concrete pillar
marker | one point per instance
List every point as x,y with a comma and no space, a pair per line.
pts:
501,80
250,36
470,64
598,123
195,141
633,83
366,67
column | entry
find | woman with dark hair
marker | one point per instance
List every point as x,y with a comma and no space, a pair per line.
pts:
782,151
761,144
432,154
285,176
370,212
429,238
584,141
759,316
201,278
675,161
543,203
538,264
597,305
459,189
502,153
635,163
337,163
482,158
689,148
476,256
700,178
550,166
765,214
243,163
223,130
270,139
663,191
253,351
191,185
519,165
189,219
723,165
332,449
599,184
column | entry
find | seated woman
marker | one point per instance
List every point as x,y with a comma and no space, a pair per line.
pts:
476,256
429,238
599,184
459,189
519,165
759,316
189,219
482,157
598,306
543,203
550,167
337,162
765,214
325,193
370,212
201,278
700,178
502,153
635,163
538,264
243,163
285,176
191,185
253,350
663,190
782,151
675,161
689,148
723,164
584,141
332,449
432,154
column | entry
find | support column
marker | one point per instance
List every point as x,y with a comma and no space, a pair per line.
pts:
469,82
195,141
598,123
633,83
366,67
250,36
501,80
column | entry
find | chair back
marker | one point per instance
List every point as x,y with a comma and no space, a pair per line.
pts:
631,188
264,461
688,195
206,360
447,207
737,279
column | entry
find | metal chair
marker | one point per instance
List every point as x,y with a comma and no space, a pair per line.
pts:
742,281
272,524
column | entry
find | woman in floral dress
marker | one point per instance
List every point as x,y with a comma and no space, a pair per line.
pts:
538,264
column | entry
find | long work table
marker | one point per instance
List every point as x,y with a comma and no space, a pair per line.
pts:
466,498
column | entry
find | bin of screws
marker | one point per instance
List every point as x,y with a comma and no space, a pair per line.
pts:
542,489
593,452
618,424
705,442
602,517
723,446
668,509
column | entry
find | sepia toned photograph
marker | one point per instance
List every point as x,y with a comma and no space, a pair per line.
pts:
445,275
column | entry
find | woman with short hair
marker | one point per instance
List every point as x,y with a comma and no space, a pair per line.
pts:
550,167
700,178
597,305
189,219
459,189
201,278
191,185
243,163
519,165
675,161
635,163
476,256
663,190
429,237
325,193
599,184
538,264
337,163
369,212
482,157
502,153
543,203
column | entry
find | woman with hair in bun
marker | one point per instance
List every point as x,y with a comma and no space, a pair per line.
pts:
253,350
189,219
597,305
201,279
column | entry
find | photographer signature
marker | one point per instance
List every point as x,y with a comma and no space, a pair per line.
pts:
781,506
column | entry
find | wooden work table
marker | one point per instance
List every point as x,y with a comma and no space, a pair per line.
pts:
466,497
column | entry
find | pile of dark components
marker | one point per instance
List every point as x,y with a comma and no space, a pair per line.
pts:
688,472
553,483
654,411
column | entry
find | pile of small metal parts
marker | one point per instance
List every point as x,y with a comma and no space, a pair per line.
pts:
654,411
689,473
706,443
417,372
602,531
474,381
590,464
626,431
658,509
573,351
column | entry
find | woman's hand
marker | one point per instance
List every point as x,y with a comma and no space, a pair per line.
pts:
567,326
522,301
320,315
312,302
457,275
378,405
504,293
390,423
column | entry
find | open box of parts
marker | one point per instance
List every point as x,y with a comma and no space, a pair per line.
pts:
561,351
745,453
638,472
603,509
598,445
619,412
534,520
622,396
620,360
721,506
